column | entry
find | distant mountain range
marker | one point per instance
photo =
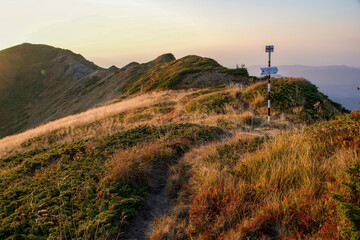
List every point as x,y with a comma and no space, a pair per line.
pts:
338,82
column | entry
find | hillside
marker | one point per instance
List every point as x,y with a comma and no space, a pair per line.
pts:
40,83
296,185
303,100
183,164
338,82
34,83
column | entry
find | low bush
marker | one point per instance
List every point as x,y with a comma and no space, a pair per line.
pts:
216,210
350,202
297,98
242,71
216,103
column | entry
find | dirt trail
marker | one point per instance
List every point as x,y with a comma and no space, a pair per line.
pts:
156,203
155,206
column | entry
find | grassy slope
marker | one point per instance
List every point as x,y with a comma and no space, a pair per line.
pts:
69,191
298,98
70,184
170,74
26,71
21,82
267,188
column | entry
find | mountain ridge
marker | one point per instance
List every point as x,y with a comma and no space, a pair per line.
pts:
40,83
26,71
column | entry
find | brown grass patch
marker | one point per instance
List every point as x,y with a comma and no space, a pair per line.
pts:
146,163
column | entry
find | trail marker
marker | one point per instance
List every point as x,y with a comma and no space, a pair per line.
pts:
268,71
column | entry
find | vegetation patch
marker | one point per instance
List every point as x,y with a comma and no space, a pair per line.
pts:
286,187
67,191
92,81
296,97
203,92
137,117
241,72
214,103
168,75
165,104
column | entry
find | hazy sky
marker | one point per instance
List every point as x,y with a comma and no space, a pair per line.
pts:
107,32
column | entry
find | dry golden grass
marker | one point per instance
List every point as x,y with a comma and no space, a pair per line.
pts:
92,115
140,164
288,179
289,161
258,101
247,118
84,125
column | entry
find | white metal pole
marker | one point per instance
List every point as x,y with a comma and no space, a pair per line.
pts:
269,87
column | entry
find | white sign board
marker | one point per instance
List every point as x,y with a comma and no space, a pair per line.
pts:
269,70
269,48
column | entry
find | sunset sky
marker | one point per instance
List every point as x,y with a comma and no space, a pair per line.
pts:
116,32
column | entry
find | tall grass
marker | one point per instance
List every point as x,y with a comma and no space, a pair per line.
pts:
279,189
218,106
145,164
90,116
155,109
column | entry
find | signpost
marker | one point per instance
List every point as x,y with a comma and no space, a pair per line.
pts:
268,71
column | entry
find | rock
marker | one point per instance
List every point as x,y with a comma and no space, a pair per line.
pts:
79,71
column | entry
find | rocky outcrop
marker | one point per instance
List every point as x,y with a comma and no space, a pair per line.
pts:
78,71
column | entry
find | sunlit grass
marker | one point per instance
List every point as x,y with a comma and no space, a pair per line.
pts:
227,173
279,189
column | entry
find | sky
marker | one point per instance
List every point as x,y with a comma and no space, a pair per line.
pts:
117,32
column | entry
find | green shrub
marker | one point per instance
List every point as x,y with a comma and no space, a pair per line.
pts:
288,94
241,72
350,202
214,103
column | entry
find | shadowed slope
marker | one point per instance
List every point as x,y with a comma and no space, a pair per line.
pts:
30,73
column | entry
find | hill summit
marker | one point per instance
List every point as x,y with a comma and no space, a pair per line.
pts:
36,82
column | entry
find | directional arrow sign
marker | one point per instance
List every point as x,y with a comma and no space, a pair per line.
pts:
269,70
